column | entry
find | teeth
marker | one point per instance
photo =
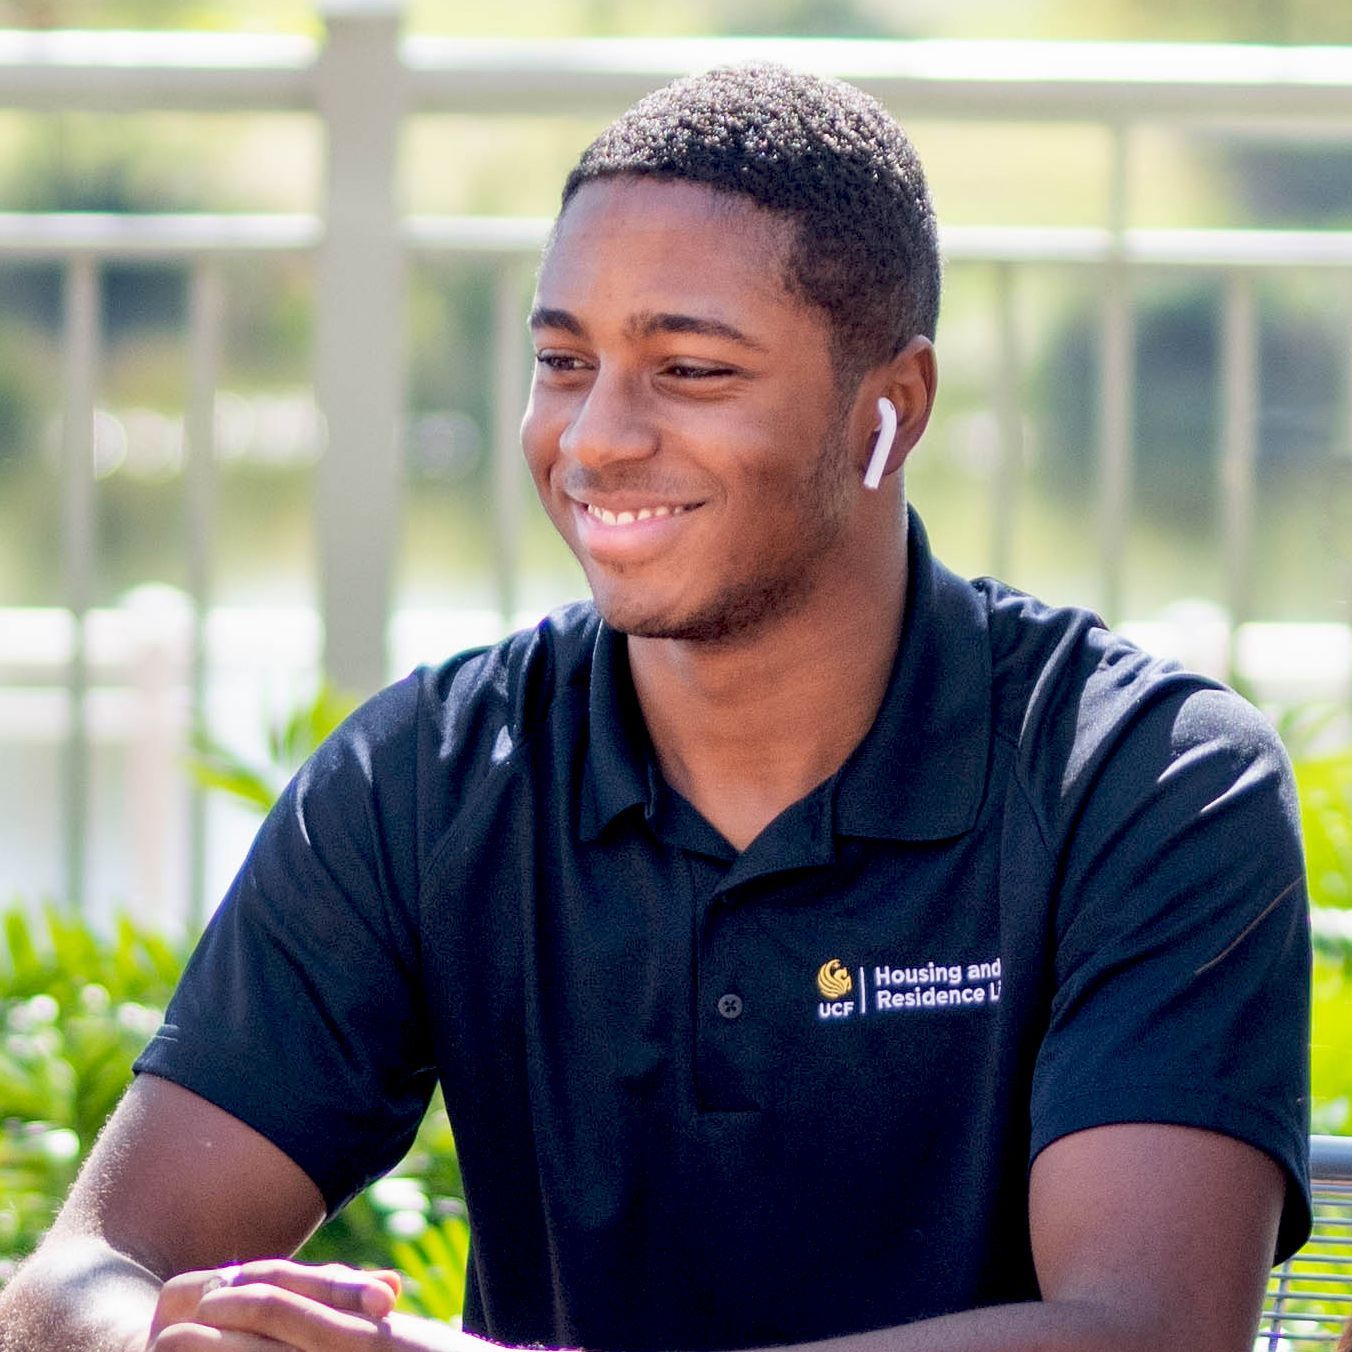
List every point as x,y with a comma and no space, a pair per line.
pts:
627,518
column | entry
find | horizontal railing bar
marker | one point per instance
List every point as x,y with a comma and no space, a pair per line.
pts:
1331,1159
47,235
1162,248
134,71
167,235
1329,1297
1297,1317
943,78
1312,1336
1302,1338
938,78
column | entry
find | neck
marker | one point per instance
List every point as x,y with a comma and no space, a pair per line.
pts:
746,727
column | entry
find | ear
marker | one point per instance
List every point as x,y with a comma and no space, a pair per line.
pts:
909,381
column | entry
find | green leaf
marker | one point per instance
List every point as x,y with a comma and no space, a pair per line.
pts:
435,1266
300,735
214,766
21,951
290,743
1324,785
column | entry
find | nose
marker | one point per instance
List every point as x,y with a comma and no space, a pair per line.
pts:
608,423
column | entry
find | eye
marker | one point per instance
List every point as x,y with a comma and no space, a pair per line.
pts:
559,362
696,371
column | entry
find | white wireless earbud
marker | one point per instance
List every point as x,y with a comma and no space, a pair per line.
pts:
887,434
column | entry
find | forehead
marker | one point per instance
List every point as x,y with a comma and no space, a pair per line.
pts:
632,244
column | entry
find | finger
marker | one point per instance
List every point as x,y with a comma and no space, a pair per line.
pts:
334,1285
394,1280
272,1311
179,1296
201,1338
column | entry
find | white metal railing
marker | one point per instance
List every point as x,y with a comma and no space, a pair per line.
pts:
363,80
1060,81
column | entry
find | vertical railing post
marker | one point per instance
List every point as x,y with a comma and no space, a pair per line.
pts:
204,358
1239,347
359,339
1117,382
78,542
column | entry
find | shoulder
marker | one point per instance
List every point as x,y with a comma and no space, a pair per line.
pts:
466,707
1085,708
1047,660
404,765
477,702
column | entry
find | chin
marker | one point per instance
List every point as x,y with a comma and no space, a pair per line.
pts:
640,621
738,614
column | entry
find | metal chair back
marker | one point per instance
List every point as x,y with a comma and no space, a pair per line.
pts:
1309,1299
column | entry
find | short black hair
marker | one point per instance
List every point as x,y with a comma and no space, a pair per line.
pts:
820,153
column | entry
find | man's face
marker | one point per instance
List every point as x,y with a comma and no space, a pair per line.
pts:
685,431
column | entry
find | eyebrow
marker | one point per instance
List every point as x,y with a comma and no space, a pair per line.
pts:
647,324
543,317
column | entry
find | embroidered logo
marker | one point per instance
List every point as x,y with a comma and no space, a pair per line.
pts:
913,986
833,980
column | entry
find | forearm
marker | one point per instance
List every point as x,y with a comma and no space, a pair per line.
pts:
1037,1326
78,1295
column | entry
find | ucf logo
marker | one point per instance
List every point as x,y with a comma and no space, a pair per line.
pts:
834,982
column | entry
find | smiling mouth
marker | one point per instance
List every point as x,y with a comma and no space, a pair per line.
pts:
628,518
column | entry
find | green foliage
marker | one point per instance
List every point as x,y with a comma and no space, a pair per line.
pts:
290,743
75,1009
1325,786
1330,1071
410,1220
435,1267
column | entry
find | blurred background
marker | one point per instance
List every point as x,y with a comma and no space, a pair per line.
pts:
263,269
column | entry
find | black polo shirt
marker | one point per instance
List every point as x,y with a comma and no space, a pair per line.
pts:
705,1099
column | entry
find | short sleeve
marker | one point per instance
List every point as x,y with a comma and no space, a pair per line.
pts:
299,1012
1182,969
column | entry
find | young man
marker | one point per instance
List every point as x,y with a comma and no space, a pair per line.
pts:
813,946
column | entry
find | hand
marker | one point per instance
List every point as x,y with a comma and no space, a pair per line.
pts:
273,1305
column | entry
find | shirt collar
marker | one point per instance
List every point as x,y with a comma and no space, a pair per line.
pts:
919,773
619,763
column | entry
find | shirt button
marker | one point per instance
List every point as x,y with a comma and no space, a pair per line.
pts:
730,1005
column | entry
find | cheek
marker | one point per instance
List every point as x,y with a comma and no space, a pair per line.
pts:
790,477
539,442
